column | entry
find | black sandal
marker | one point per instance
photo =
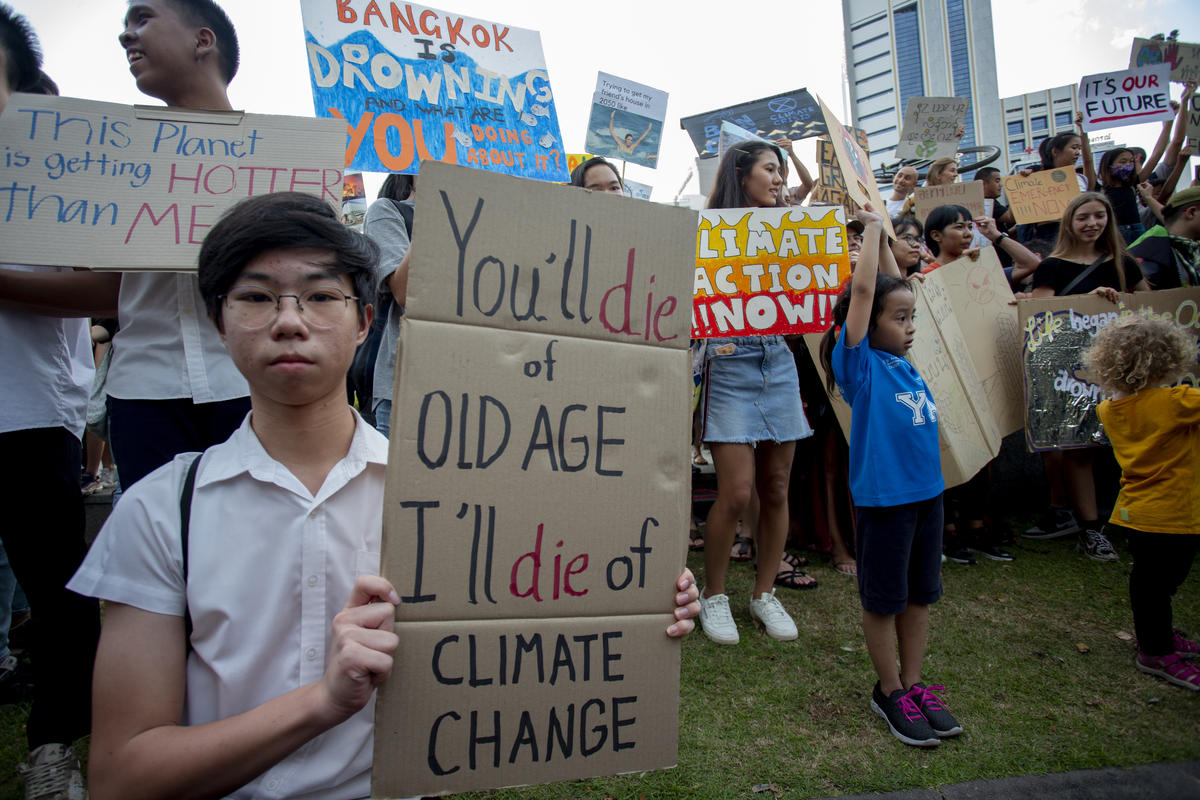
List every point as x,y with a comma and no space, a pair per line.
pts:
793,579
743,549
795,561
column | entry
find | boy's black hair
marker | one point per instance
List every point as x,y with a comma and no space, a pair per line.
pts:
397,187
207,14
23,53
578,174
884,285
282,221
985,173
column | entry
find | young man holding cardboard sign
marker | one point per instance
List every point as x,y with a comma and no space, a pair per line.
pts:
278,700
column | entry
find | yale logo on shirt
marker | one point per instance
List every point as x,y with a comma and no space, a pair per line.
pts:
918,405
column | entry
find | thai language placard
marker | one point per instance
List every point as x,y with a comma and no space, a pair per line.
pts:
111,186
764,271
415,84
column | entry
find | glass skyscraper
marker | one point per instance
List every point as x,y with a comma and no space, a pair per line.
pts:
897,49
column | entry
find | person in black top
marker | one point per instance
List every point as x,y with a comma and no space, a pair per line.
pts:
1085,261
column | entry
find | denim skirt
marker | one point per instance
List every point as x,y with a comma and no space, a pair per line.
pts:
751,392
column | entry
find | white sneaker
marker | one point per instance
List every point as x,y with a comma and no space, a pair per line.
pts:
768,612
717,620
52,773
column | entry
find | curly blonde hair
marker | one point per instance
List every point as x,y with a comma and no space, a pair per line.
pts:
1140,351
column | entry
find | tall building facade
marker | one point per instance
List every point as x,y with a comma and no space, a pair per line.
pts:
1029,118
897,49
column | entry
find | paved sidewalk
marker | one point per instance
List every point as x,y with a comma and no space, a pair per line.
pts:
1177,781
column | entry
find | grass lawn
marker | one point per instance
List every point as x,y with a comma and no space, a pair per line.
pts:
1037,656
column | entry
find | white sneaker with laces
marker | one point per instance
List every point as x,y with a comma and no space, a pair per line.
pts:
52,773
768,612
717,620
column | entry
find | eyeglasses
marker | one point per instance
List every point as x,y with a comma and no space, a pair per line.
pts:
911,238
255,307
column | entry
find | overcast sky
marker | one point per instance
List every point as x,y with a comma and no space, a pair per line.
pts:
705,54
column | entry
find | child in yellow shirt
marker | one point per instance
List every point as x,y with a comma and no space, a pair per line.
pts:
1155,435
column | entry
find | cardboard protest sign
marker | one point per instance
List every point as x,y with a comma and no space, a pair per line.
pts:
732,135
855,166
765,271
931,126
535,484
354,200
791,114
967,429
1060,394
641,191
968,194
575,159
1184,58
111,186
418,84
830,189
1193,120
967,348
626,120
1126,97
976,292
1041,196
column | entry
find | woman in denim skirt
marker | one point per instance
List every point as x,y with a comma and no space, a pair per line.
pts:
752,417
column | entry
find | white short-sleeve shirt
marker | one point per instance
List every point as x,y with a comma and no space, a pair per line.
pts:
48,368
167,347
269,567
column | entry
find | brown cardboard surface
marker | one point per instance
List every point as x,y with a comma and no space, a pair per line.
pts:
1042,196
766,271
493,249
538,473
855,167
1060,394
606,512
966,425
111,186
968,195
930,127
981,300
965,348
564,698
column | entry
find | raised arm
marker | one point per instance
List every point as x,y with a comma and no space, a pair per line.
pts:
80,293
862,286
611,131
646,133
1160,147
1172,154
805,177
140,751
1025,261
1089,169
1168,187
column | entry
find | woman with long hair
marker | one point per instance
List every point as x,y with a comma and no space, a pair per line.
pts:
752,416
1090,257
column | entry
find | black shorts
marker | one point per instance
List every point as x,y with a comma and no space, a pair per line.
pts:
899,551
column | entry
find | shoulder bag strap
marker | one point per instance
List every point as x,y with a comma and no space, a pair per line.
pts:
1088,270
185,518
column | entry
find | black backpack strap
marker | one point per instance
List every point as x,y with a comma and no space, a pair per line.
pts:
185,519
